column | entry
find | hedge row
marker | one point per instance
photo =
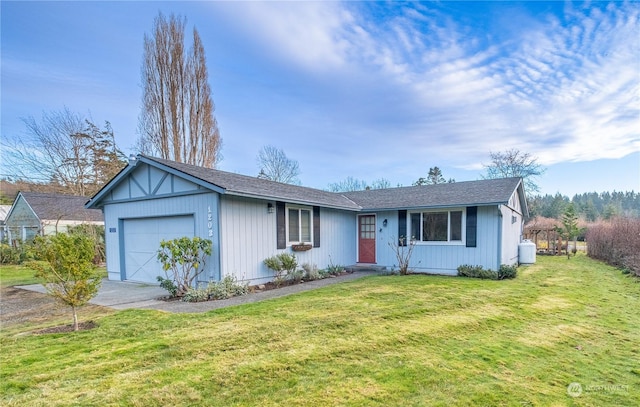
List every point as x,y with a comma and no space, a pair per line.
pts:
616,242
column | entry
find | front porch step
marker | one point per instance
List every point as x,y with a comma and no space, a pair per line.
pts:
366,268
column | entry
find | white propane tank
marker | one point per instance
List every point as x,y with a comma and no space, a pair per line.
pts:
527,252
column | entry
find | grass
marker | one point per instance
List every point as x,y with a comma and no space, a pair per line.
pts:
379,341
16,275
12,275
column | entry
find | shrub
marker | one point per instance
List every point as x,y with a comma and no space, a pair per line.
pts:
334,269
477,272
295,276
96,234
9,254
168,285
183,259
505,271
226,288
311,272
18,254
403,251
196,295
281,264
616,242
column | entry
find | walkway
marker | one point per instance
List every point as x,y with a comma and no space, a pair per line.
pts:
125,295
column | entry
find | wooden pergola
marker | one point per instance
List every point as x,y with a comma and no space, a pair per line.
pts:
543,232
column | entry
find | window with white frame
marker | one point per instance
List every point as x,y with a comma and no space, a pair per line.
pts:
299,225
437,226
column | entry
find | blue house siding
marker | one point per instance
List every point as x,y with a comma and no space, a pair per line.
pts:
246,218
442,258
248,237
338,240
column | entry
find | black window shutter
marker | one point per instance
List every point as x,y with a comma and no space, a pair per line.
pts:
472,225
281,227
402,228
316,226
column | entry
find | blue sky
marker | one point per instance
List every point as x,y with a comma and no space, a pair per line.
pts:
361,89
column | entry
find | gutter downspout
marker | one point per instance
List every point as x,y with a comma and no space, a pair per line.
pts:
499,236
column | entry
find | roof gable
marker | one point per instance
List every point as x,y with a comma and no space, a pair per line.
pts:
241,185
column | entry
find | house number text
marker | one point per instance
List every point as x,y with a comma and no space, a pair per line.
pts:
210,221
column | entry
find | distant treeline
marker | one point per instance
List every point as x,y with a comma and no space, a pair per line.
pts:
588,206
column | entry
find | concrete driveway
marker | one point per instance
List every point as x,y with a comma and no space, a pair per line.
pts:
119,294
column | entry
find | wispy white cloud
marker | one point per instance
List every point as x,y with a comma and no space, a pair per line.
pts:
564,87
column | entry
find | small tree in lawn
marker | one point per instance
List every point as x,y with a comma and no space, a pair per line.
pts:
67,269
570,228
182,259
403,251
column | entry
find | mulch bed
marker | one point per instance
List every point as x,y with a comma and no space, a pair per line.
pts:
82,326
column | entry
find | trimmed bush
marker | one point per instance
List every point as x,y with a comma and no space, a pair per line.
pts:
226,288
311,272
467,270
503,273
196,295
507,271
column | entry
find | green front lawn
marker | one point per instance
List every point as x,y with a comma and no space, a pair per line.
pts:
382,340
11,275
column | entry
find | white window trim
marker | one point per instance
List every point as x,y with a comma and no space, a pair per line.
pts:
463,224
299,207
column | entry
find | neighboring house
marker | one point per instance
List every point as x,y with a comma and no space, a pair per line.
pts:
34,213
4,209
250,219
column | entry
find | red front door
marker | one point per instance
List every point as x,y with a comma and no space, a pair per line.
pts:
367,239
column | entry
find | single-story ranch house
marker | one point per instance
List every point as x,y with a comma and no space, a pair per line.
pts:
36,213
250,219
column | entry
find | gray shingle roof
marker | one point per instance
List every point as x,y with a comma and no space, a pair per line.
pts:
62,207
243,185
467,193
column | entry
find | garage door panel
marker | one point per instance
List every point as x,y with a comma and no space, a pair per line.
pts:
142,239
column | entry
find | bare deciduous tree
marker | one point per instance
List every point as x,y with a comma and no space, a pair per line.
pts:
513,163
177,120
65,151
351,184
276,166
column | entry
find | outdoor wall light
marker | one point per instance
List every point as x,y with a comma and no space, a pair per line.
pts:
270,208
384,223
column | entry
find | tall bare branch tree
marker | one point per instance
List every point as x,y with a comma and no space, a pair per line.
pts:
177,120
64,152
276,166
514,163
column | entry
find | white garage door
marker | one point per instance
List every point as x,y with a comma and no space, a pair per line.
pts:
142,239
